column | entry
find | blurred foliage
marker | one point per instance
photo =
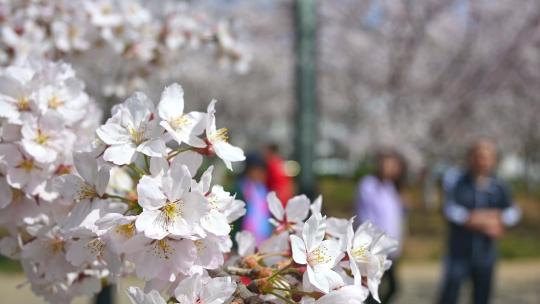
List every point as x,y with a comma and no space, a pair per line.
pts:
9,266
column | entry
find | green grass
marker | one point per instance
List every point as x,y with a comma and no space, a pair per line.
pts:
9,266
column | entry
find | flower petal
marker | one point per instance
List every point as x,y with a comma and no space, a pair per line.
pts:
149,193
171,104
275,206
298,248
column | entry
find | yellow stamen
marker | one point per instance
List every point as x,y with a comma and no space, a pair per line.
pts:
221,135
318,256
360,253
55,102
199,245
106,9
162,249
86,191
127,230
41,138
23,103
169,213
26,164
136,135
96,246
57,245
180,121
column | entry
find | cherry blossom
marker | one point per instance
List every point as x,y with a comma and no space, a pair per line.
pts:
168,205
217,140
85,205
132,128
319,255
200,289
367,249
182,127
292,216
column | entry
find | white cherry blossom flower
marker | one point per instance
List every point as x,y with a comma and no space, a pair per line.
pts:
67,99
350,294
246,243
70,35
319,255
217,140
292,216
202,289
137,296
45,138
16,100
168,205
91,182
183,127
22,172
133,128
163,259
367,249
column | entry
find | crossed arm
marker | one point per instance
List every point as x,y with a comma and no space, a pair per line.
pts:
490,221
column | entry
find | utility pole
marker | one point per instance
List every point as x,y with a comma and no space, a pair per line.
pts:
306,92
106,295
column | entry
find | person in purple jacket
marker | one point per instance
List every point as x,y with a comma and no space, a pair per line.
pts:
378,201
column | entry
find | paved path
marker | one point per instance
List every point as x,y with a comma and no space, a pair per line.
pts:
518,283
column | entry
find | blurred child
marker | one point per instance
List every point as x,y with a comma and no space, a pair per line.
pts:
277,178
252,189
379,202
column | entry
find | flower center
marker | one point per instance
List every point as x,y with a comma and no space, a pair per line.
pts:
23,103
137,135
220,135
26,164
162,249
56,245
96,247
16,195
318,256
199,245
86,191
63,169
55,102
213,201
42,138
361,253
126,230
73,32
106,9
169,213
180,121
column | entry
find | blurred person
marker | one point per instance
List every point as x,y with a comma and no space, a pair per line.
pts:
378,201
277,178
252,190
479,208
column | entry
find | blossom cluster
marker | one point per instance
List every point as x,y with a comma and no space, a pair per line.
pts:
132,35
309,259
45,115
86,205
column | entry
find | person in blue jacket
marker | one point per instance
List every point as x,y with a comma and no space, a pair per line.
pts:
479,209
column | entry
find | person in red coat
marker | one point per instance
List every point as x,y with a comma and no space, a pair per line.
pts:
277,178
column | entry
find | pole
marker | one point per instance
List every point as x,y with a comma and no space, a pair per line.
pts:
306,92
105,296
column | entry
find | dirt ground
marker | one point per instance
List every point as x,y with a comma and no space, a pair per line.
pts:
518,282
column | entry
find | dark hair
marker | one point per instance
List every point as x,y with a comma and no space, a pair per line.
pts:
253,160
383,154
272,147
